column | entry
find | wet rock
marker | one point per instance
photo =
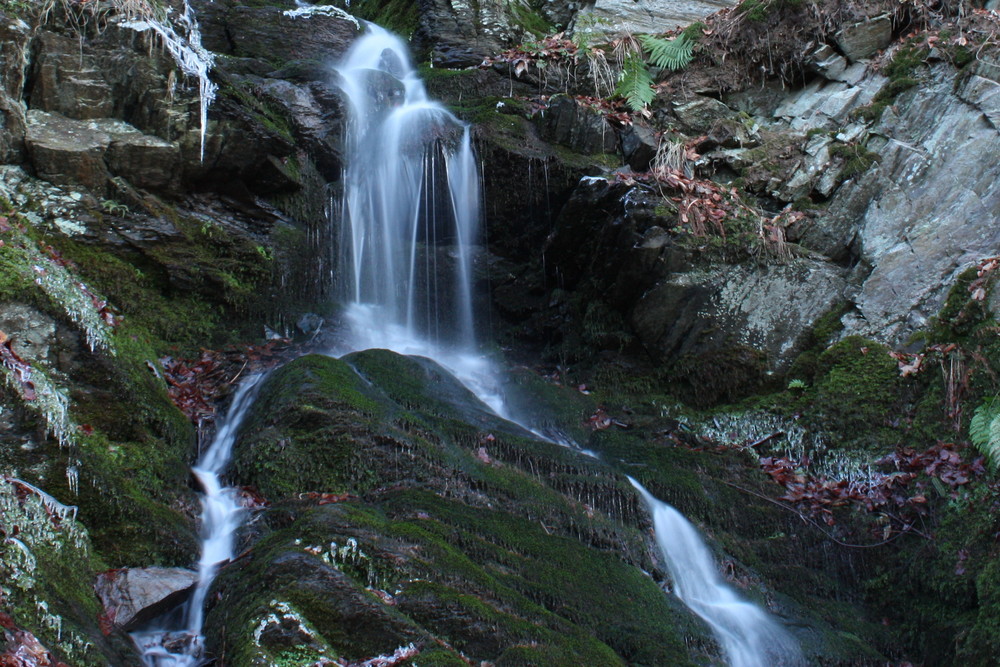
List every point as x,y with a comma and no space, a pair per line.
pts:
30,331
68,81
264,36
65,151
146,161
462,34
863,39
573,125
309,323
316,113
133,596
15,37
639,146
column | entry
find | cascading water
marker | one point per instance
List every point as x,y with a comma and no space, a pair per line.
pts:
410,215
749,636
177,640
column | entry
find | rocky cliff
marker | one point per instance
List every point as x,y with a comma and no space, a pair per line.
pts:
705,291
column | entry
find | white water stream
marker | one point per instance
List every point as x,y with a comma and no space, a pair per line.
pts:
748,635
410,217
221,516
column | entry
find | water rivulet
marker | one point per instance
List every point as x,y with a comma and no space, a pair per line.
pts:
176,641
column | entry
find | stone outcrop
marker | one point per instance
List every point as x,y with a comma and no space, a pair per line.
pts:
613,18
133,596
761,308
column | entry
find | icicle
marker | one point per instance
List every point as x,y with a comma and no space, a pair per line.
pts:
327,10
192,58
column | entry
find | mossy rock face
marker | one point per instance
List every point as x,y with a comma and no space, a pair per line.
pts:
478,530
857,386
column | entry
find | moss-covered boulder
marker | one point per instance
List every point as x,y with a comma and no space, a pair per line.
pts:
439,524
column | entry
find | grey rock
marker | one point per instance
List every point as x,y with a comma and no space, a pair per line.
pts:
984,94
827,62
132,596
310,323
812,169
145,161
31,332
69,81
827,105
863,39
766,308
639,146
614,18
573,125
700,114
930,210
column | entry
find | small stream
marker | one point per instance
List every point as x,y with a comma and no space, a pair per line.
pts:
177,640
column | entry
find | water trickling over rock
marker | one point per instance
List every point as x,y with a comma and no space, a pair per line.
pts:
748,635
176,640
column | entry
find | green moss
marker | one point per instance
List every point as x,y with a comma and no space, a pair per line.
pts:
857,160
856,393
901,72
527,18
720,376
400,16
309,431
260,107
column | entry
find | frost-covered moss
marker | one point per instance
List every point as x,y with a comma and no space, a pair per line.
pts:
46,573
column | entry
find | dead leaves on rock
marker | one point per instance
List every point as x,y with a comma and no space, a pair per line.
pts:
23,648
195,386
900,494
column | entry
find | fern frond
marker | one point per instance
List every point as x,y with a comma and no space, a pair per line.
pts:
669,53
984,431
635,84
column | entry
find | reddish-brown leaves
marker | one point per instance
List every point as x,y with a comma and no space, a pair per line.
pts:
326,498
601,420
196,385
21,368
900,490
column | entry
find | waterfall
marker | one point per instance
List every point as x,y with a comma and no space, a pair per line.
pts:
177,642
749,636
410,213
410,216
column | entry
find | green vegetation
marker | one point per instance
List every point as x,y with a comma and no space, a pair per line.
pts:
857,160
761,10
635,84
528,18
901,72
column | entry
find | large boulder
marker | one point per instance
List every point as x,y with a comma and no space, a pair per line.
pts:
762,308
929,211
